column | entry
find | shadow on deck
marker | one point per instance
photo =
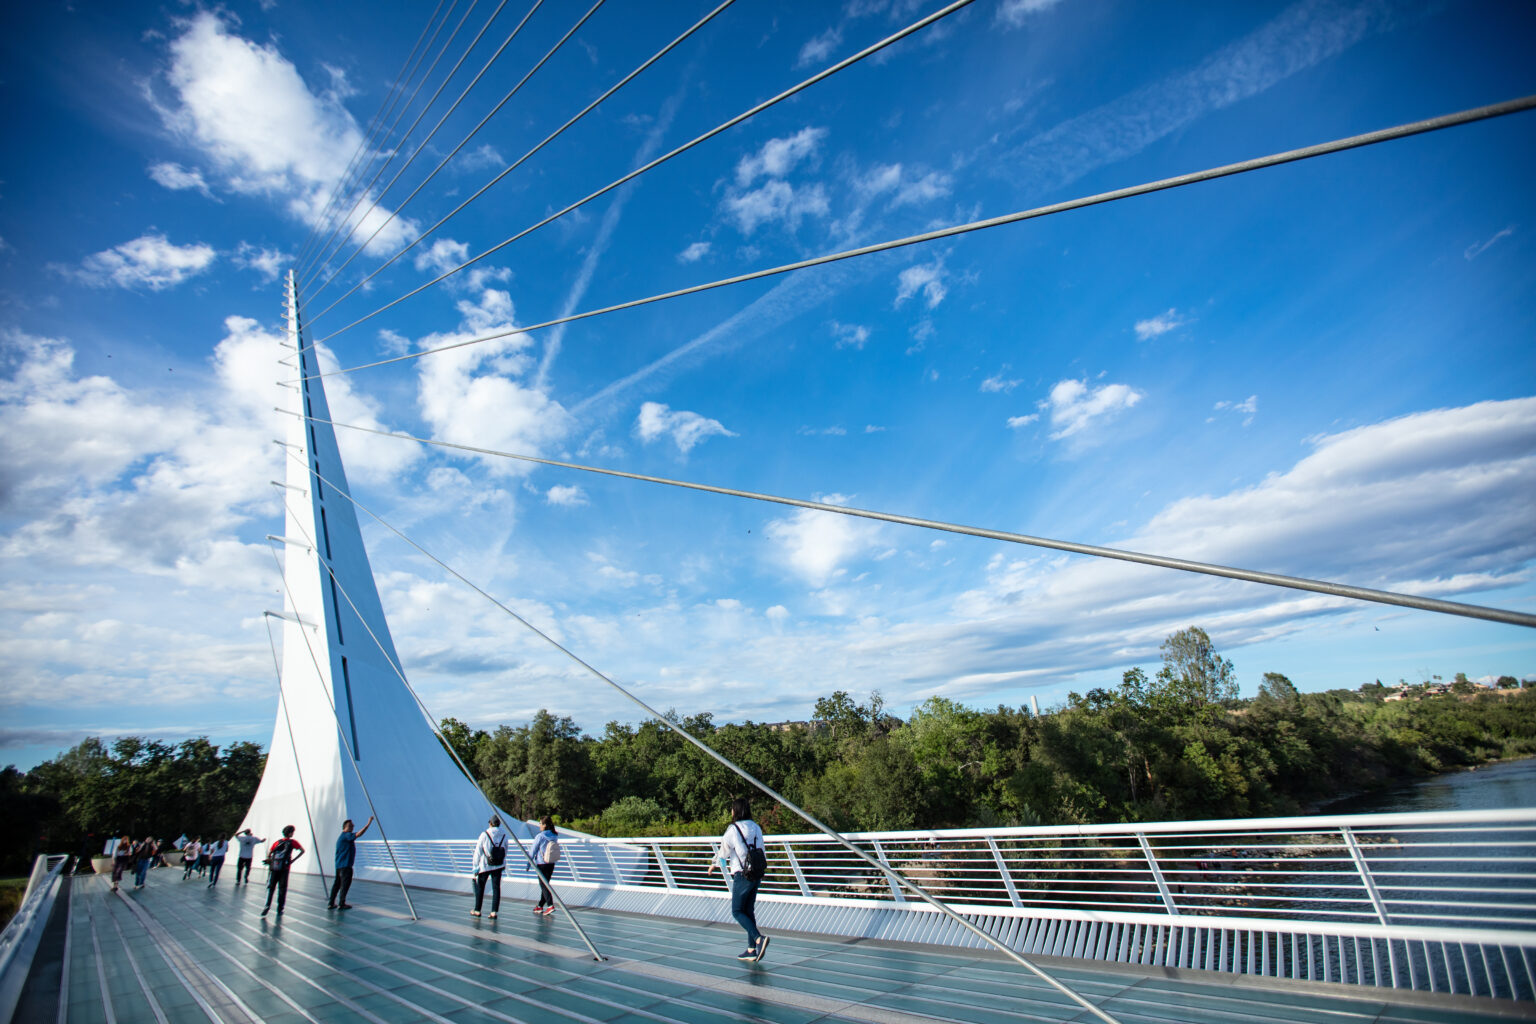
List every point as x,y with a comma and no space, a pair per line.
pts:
180,951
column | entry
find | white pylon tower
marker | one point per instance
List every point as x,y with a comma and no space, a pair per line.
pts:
350,739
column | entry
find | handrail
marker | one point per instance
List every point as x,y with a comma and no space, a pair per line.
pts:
18,942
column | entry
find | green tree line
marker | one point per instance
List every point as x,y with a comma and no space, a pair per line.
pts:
1178,744
136,786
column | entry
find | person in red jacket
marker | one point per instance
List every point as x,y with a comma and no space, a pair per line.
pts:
280,860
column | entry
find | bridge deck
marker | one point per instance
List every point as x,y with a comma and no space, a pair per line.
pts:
179,951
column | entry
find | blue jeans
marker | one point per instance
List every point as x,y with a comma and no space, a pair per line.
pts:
140,870
744,905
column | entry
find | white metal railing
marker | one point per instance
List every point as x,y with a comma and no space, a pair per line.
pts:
18,942
1426,900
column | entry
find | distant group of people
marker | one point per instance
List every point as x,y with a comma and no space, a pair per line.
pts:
741,858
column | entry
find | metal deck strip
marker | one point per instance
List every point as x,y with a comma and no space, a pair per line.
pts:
373,963
101,970
68,894
567,975
133,961
279,993
952,962
217,1000
595,977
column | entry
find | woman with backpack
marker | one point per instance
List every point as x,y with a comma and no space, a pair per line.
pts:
545,855
490,860
743,858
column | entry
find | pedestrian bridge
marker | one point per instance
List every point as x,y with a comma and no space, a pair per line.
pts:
180,951
1438,902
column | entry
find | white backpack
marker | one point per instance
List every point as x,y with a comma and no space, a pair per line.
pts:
552,852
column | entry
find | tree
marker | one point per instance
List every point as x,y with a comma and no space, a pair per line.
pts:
1193,670
1278,688
1508,683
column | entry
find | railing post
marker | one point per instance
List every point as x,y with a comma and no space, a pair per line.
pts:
1157,876
1002,869
570,863
1358,856
896,893
794,865
663,866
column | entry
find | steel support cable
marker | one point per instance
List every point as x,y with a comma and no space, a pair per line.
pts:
455,151
738,119
355,174
325,253
895,877
1345,590
432,724
514,165
293,741
1226,170
356,222
405,136
396,90
341,734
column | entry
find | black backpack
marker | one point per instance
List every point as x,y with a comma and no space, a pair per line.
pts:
280,855
498,855
757,858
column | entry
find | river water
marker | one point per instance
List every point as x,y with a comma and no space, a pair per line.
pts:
1497,786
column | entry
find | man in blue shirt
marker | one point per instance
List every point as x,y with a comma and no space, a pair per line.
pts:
346,853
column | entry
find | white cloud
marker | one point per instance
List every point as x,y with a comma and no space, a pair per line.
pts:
1246,408
1474,251
998,384
778,157
149,261
776,200
473,395
1014,13
246,108
815,545
1301,36
849,335
926,279
1160,324
903,189
1075,406
566,495
687,429
694,253
441,256
1015,422
178,178
819,48
266,262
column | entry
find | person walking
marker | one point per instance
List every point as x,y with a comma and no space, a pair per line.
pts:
144,855
741,841
346,854
280,860
545,855
248,844
189,858
217,851
122,854
203,857
490,860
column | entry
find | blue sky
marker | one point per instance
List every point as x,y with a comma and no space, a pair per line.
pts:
1324,369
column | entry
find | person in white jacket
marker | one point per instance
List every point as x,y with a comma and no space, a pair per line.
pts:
490,859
